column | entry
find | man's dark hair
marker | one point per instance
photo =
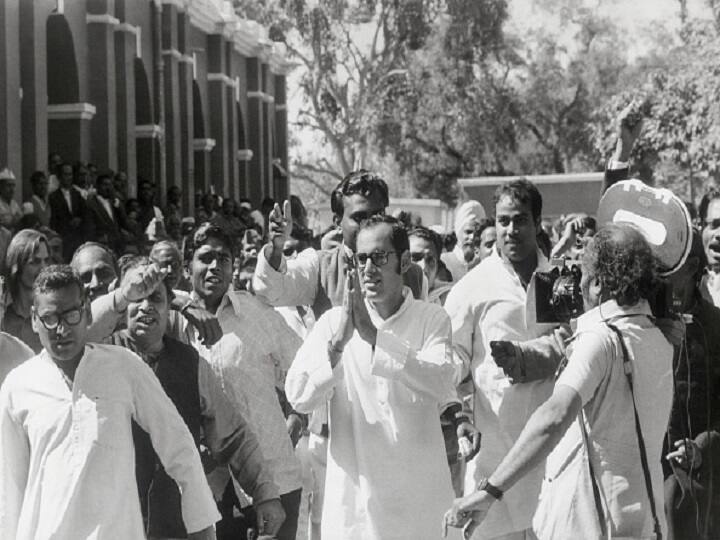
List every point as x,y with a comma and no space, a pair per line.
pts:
399,235
711,194
431,236
36,177
109,252
360,182
66,164
483,224
620,258
522,191
208,230
57,277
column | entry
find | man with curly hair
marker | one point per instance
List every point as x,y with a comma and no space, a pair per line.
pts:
592,427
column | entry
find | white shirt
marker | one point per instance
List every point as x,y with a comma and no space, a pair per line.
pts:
13,352
68,198
595,372
107,205
67,460
387,473
489,304
252,359
10,213
455,262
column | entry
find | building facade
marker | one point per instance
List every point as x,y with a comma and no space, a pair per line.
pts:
179,92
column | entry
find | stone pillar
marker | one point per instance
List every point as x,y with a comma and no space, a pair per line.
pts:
256,131
171,94
102,90
126,50
33,76
10,92
186,182
218,84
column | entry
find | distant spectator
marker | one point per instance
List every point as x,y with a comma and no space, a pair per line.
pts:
484,239
462,258
27,254
38,204
146,197
10,211
173,212
53,172
82,179
55,243
120,183
105,219
67,209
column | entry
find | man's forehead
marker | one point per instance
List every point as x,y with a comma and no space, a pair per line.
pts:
92,258
51,300
375,237
420,244
213,244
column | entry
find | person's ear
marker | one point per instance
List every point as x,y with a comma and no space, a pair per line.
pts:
405,261
35,322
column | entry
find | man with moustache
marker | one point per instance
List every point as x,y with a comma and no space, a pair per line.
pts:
710,220
489,304
251,359
196,392
316,278
67,209
463,257
383,360
66,448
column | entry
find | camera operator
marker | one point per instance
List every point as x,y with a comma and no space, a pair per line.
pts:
598,424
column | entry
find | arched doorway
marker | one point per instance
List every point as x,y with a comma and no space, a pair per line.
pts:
147,144
65,113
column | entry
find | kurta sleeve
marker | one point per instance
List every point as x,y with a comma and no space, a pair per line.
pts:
14,465
311,380
174,445
104,318
588,364
293,284
463,319
428,370
231,440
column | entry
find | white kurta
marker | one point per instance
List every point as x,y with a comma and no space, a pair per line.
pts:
387,474
489,304
67,460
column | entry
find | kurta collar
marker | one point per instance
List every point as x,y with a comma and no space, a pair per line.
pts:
607,311
378,321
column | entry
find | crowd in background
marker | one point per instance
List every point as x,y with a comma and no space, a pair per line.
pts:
289,380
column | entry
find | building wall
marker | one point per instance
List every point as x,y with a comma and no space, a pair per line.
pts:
161,89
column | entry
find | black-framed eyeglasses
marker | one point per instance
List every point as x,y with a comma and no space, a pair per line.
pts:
71,317
378,258
420,256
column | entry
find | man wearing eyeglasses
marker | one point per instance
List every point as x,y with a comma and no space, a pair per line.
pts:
384,362
316,278
66,446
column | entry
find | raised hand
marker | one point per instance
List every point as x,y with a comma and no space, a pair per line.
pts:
205,323
629,126
360,315
279,228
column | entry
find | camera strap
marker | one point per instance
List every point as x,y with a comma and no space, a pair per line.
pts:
627,368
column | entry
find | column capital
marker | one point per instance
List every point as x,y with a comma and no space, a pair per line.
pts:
203,145
71,111
149,131
245,154
101,18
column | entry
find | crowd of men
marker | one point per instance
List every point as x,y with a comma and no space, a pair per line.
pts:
168,376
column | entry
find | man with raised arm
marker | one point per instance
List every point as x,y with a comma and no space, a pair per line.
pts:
66,448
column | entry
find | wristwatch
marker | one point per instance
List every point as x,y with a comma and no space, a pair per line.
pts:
484,485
